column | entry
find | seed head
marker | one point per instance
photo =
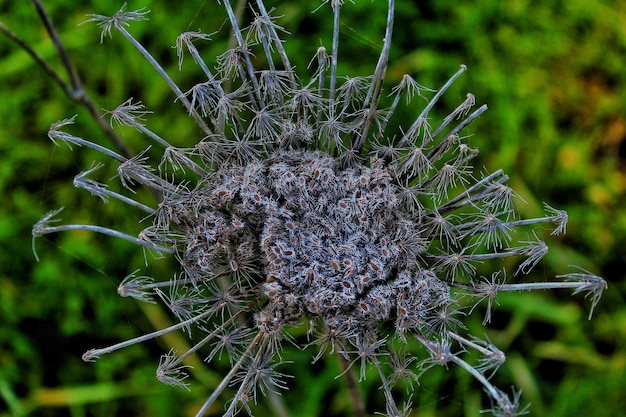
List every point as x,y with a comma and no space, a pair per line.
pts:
301,203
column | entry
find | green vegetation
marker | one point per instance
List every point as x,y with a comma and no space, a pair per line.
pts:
552,75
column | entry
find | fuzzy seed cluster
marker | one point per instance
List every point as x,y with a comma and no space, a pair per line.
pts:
333,243
301,204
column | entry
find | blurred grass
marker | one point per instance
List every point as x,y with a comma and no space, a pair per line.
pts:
552,75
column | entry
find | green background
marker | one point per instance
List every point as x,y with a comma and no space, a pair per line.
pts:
552,73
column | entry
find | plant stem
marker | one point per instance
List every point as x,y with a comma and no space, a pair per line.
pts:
356,399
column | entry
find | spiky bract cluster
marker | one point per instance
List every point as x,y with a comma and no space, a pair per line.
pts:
308,207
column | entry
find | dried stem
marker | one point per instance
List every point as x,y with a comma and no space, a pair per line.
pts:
356,399
73,91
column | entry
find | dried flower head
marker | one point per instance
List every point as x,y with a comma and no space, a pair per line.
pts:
308,206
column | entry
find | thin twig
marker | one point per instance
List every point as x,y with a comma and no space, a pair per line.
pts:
78,94
75,91
56,40
38,59
373,95
356,399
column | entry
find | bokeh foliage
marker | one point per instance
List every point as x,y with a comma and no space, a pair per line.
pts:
552,74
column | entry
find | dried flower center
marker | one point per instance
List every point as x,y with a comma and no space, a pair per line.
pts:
332,242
